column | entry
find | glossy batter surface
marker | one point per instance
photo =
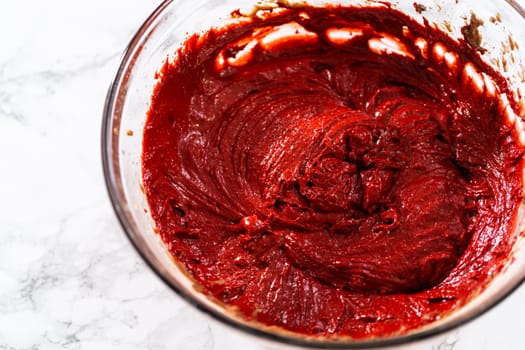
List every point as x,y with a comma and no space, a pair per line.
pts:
333,171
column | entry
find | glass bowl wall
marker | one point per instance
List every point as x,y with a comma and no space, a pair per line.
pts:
128,102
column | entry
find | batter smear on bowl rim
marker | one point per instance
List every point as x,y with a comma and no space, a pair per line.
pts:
333,171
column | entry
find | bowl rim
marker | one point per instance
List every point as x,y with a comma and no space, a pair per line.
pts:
112,185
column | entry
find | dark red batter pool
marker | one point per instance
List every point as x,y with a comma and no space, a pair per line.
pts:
333,171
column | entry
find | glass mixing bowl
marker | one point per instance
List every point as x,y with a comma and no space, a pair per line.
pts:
128,100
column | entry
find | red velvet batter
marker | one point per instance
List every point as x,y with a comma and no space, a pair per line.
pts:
333,171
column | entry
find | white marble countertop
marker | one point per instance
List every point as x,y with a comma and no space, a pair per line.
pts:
69,278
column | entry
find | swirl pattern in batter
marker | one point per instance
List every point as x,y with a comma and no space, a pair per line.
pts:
333,171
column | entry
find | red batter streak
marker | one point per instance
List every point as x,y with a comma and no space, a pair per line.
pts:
333,171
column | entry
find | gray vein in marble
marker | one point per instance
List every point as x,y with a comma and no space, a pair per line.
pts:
5,347
66,343
56,73
45,275
47,80
449,343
